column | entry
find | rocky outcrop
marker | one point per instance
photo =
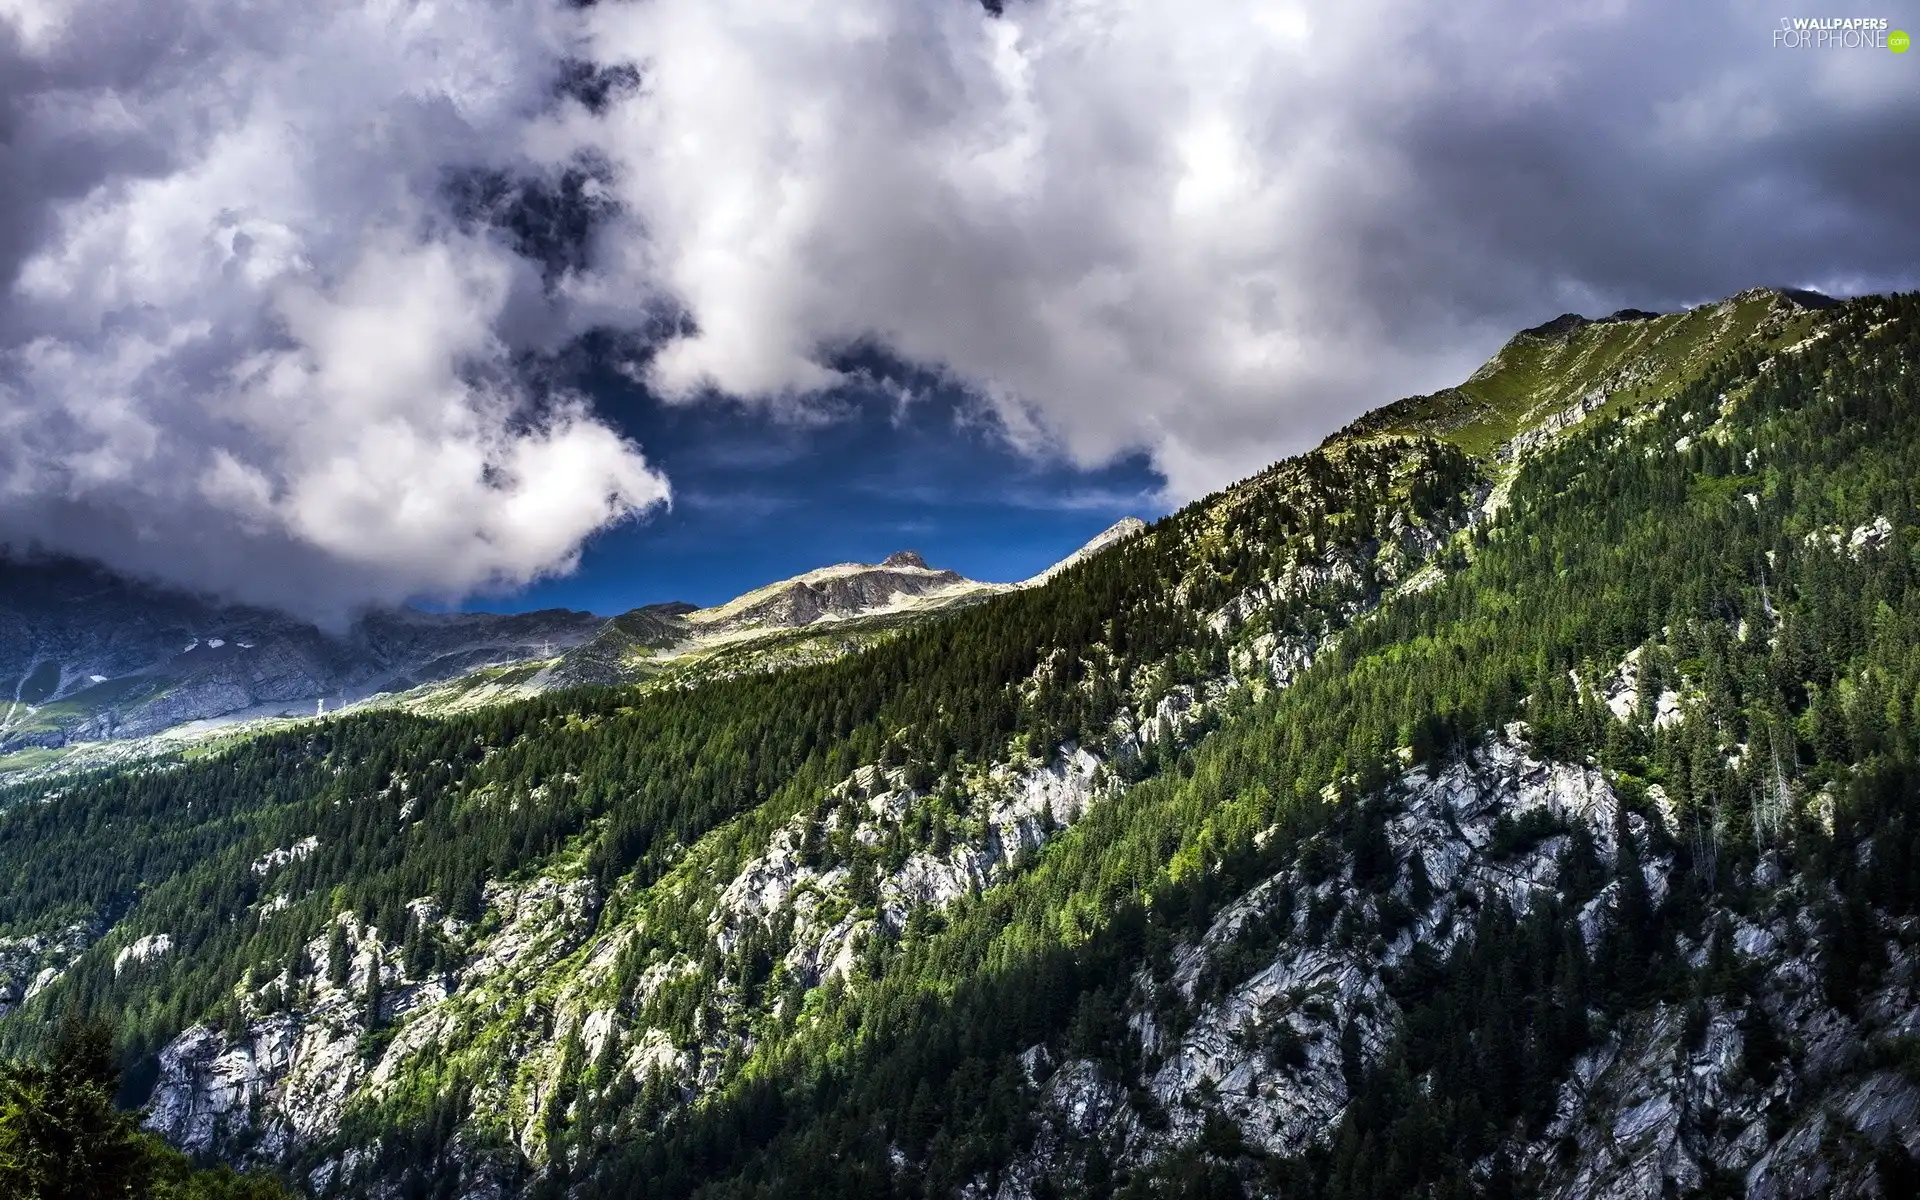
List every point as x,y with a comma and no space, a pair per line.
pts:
143,950
1668,1102
1023,808
29,963
1309,995
315,1039
1659,1107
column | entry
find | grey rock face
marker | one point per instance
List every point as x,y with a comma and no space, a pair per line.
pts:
282,1081
29,962
1658,1107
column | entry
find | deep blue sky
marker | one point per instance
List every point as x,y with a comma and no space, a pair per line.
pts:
758,498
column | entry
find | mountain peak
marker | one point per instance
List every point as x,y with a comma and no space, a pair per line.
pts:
1119,531
1808,298
1567,324
1561,325
902,581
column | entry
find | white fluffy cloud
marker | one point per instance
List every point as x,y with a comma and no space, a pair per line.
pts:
245,346
243,328
1213,229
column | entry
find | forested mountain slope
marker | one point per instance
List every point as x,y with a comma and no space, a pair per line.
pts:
1515,795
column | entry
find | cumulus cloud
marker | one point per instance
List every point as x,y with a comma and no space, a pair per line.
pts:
246,346
1213,229
252,337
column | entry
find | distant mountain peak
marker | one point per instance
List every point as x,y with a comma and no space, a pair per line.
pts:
901,581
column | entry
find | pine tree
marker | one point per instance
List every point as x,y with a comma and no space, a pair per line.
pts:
339,958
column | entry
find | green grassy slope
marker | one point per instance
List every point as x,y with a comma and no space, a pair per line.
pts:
1632,357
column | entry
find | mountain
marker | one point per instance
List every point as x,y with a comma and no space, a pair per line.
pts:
835,593
1514,795
86,655
828,600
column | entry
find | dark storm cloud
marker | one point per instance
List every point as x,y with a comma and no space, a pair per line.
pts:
1679,158
272,269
